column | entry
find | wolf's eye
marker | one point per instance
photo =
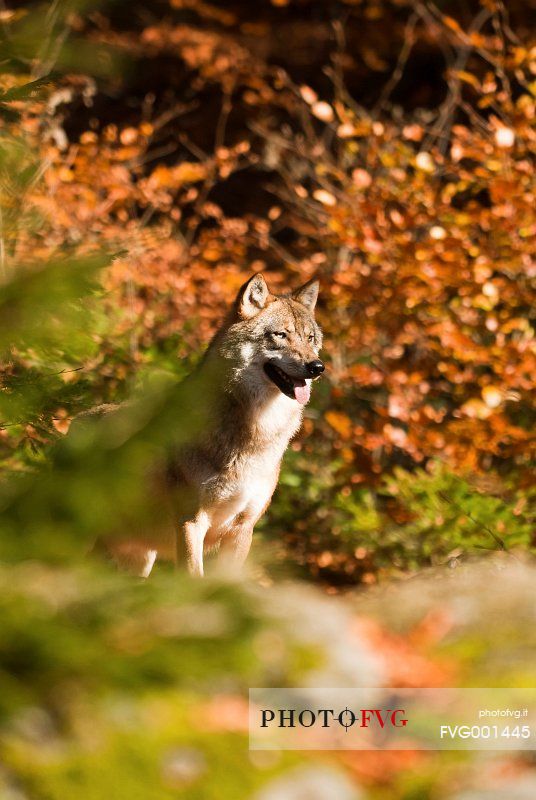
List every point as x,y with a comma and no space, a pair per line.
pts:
311,337
280,334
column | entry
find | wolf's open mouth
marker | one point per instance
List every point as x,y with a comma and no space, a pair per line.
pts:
296,388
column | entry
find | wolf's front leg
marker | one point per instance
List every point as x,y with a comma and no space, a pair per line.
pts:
190,541
236,543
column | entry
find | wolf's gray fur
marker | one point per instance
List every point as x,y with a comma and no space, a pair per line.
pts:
255,379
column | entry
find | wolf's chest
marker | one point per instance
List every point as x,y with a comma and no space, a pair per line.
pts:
249,469
243,492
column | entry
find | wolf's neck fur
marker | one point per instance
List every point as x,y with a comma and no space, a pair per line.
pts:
247,414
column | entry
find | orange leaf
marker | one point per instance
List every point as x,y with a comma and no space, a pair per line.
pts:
340,422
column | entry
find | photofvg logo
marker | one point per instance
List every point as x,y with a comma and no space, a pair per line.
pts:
324,718
392,719
328,717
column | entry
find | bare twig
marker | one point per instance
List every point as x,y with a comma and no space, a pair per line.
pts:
407,47
446,117
497,539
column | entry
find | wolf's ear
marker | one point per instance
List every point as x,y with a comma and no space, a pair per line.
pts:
253,296
307,294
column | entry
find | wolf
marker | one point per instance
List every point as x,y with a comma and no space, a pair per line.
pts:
254,381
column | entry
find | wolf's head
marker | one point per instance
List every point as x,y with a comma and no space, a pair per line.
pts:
274,340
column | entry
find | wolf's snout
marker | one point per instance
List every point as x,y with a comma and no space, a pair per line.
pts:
315,368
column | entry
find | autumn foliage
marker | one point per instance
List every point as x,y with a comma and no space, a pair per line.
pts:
198,146
153,155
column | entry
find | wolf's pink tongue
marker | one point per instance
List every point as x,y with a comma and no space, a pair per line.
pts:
302,393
